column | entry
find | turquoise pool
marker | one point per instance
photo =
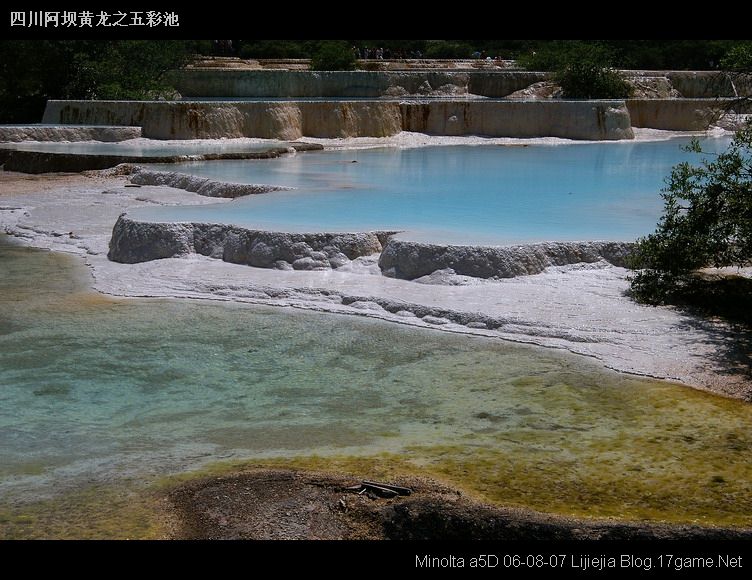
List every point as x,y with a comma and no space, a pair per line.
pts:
461,194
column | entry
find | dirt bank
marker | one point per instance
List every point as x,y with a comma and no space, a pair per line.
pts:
265,504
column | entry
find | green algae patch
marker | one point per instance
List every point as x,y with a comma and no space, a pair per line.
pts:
592,491
382,465
558,486
95,513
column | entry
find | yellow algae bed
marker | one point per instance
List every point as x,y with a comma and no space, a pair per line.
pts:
93,433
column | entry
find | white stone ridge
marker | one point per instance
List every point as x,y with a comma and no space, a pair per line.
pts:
67,133
136,241
409,140
410,260
200,185
141,241
581,309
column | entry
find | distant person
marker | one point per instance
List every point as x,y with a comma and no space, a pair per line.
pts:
476,54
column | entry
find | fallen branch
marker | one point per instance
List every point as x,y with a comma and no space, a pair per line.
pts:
375,490
398,490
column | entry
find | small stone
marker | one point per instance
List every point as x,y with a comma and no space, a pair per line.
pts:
336,258
366,305
338,261
396,91
309,263
405,314
435,320
333,298
261,255
425,88
256,294
301,249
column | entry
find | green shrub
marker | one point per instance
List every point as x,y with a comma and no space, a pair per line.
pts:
739,58
274,49
706,221
592,80
203,47
584,70
448,49
333,55
33,71
548,57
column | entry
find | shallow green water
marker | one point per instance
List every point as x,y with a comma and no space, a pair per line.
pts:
99,391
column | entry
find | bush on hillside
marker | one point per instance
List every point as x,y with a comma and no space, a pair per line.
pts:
333,55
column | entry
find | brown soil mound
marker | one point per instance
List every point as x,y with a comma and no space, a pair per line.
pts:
264,504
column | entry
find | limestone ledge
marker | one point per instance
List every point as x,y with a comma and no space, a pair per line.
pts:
134,241
228,82
200,185
292,120
679,114
139,241
202,83
36,162
410,260
70,133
